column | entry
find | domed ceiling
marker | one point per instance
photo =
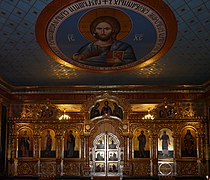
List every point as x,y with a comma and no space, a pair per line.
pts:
168,44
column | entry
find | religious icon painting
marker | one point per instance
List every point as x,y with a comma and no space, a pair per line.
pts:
48,144
95,110
99,156
165,144
112,141
99,167
113,155
106,36
25,142
188,143
71,145
113,167
141,143
100,143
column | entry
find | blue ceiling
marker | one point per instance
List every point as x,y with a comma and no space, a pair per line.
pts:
24,63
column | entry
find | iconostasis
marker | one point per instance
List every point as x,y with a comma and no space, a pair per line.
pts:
106,138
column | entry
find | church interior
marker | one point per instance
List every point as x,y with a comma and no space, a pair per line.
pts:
105,89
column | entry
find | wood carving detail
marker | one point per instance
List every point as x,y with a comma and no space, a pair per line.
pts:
187,168
48,168
141,168
71,168
27,168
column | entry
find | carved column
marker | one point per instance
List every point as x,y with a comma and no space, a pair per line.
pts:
177,148
154,146
150,150
35,146
86,168
36,137
59,146
177,145
207,149
130,146
202,134
14,150
199,151
87,149
11,148
82,147
39,156
197,145
126,148
130,151
62,155
59,151
202,146
13,140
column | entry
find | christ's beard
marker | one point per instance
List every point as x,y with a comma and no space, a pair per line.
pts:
103,38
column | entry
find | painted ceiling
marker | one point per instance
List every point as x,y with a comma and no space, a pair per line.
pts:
23,63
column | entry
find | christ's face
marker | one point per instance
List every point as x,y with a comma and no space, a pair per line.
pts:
103,31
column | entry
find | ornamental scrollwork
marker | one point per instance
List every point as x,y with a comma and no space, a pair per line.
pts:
37,111
72,168
141,169
175,110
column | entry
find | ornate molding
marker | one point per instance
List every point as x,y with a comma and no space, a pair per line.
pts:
100,96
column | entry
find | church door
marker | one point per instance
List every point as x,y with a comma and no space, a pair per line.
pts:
106,155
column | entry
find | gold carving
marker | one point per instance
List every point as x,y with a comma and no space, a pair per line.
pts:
71,168
174,110
183,118
48,168
187,168
40,111
141,168
109,96
26,168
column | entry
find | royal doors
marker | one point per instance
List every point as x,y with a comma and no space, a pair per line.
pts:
106,155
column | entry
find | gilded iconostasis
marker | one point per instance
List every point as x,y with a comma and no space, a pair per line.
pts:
105,138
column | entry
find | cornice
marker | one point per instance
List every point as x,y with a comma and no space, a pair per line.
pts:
82,97
117,89
8,89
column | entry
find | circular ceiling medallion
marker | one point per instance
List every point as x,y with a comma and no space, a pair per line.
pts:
106,35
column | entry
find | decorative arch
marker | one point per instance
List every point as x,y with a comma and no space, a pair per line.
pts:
165,110
118,106
107,125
